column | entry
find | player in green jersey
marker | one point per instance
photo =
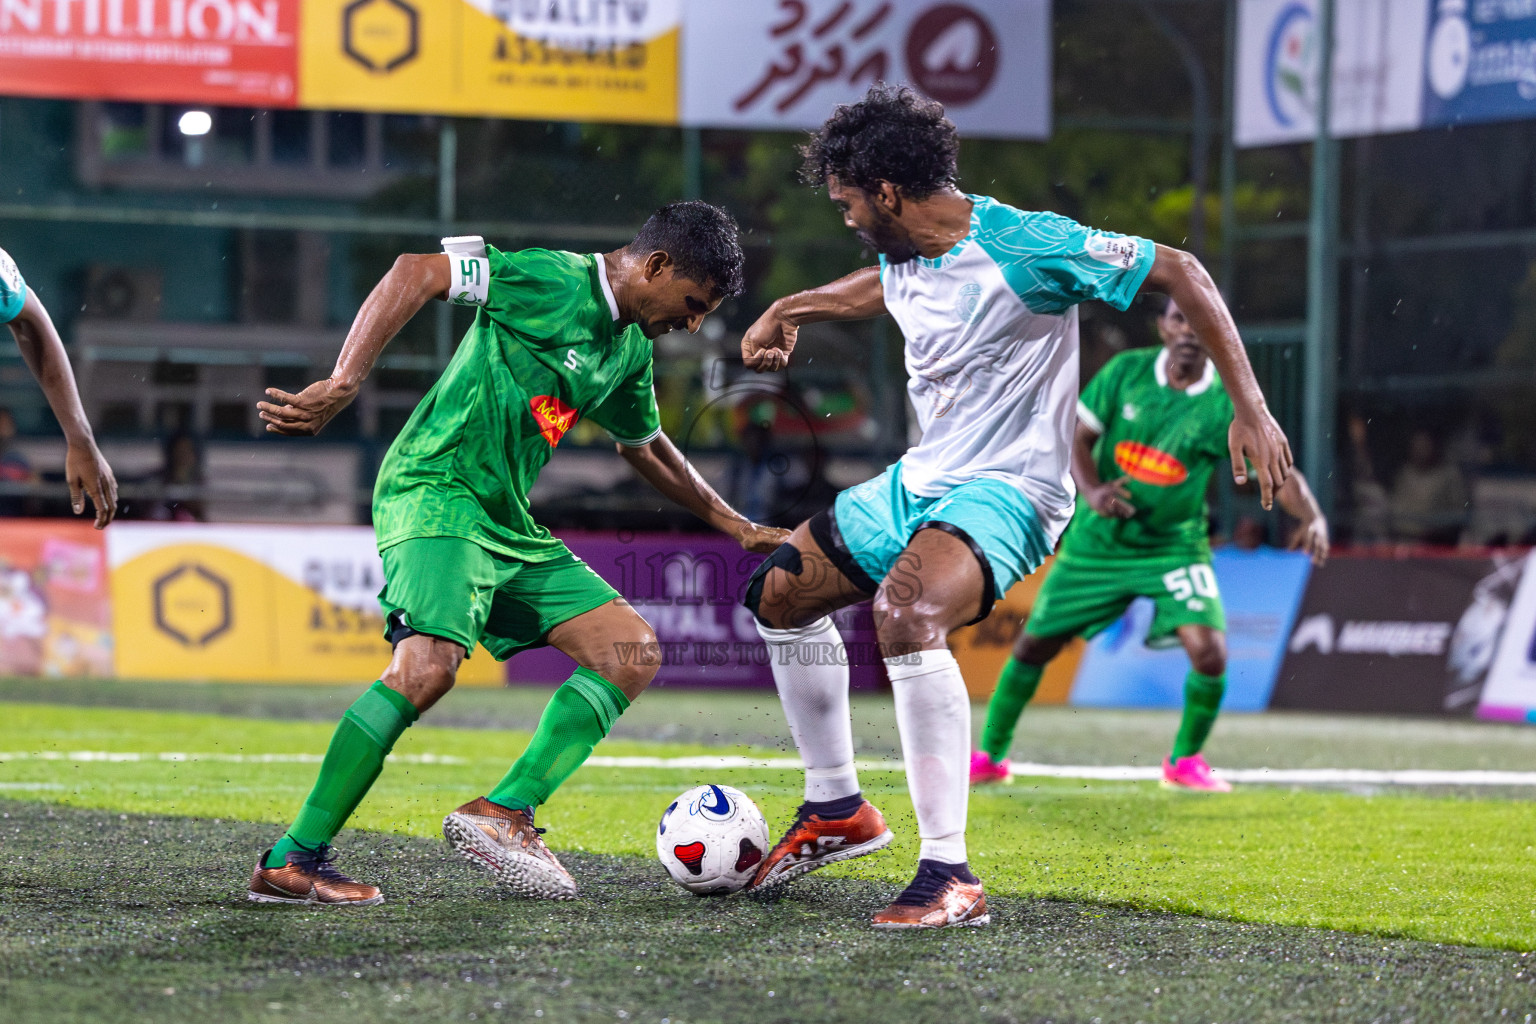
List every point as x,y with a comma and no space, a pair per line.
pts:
1151,429
558,336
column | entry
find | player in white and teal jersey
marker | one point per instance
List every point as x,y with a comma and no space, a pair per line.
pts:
986,297
85,471
1151,430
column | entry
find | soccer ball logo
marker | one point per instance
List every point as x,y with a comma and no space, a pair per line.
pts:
711,840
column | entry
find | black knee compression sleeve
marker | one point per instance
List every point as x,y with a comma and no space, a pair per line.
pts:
786,557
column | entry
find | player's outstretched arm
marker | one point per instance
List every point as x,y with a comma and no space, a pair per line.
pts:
1255,435
397,297
1312,536
1109,498
768,343
666,469
86,472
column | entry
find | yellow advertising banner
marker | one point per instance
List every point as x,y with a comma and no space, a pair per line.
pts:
252,604
589,61
982,649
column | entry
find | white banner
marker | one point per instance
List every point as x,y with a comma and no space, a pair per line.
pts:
786,63
1378,66
1510,693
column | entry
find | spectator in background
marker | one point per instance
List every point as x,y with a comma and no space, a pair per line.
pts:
1429,498
1372,505
1249,534
14,467
181,477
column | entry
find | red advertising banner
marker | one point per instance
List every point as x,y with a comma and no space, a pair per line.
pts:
235,52
55,613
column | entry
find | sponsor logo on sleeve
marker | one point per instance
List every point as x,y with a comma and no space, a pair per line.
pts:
10,275
553,416
1116,250
469,280
1147,465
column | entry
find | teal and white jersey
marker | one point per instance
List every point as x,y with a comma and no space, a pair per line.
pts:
13,290
991,349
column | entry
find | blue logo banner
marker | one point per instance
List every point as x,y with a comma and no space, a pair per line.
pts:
1261,591
1480,61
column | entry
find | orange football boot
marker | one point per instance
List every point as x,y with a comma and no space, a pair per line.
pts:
937,898
307,877
813,842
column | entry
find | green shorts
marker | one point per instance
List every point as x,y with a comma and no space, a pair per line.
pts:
454,589
1083,599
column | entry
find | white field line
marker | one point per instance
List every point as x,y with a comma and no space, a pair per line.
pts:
1107,773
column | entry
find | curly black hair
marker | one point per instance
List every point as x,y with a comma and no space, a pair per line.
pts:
893,135
702,240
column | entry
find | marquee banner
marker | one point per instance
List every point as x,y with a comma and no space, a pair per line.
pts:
786,63
247,603
1398,65
231,52
1260,591
55,611
502,58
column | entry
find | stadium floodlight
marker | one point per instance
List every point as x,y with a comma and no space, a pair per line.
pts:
195,122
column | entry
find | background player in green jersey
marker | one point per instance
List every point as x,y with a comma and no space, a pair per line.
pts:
1152,427
558,336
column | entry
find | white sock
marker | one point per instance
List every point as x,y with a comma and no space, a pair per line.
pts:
810,670
933,712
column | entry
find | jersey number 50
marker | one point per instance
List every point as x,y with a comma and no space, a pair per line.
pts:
1195,579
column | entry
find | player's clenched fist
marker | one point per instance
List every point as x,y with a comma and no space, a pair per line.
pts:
768,342
304,414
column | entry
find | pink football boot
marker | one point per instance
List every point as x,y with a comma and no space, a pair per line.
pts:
1186,773
984,769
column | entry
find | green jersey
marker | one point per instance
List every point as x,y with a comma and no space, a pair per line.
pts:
546,349
1166,442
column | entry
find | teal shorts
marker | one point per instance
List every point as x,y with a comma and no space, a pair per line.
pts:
457,590
870,525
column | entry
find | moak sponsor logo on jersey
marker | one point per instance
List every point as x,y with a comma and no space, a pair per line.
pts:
553,416
1145,464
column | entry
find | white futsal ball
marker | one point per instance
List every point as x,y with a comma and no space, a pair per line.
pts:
712,839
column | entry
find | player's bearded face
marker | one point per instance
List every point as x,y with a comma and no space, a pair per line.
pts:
874,225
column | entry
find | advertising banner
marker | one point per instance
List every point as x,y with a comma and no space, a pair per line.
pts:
1480,61
982,649
500,58
689,588
1260,591
1509,695
233,52
785,64
1393,635
252,604
55,608
1399,65
1377,68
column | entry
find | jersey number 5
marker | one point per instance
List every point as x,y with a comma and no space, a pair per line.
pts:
1186,583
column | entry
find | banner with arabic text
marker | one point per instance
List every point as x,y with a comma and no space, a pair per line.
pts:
787,63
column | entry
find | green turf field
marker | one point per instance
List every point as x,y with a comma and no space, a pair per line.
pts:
133,814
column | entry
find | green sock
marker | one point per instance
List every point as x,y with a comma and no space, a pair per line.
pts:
1015,687
363,738
1202,702
575,720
